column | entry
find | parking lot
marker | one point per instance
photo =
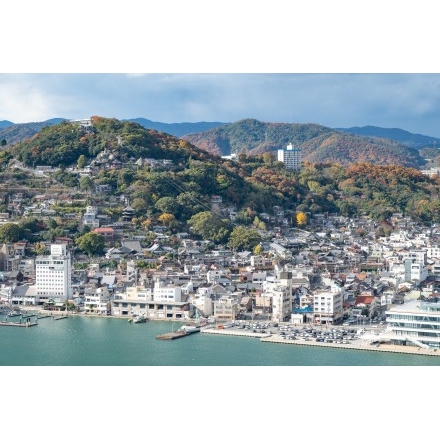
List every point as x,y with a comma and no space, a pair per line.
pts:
342,334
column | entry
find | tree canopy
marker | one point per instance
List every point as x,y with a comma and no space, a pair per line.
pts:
91,243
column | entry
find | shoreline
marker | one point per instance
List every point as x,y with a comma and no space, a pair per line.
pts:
356,344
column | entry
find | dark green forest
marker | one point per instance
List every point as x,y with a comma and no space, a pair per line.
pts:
253,184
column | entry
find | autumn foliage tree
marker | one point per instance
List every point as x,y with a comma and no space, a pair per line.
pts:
301,219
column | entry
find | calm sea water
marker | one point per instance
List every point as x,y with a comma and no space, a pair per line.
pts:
88,341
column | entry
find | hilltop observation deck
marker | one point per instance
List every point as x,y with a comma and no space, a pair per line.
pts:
86,124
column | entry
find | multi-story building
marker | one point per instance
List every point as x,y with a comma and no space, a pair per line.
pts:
53,275
226,309
279,288
139,301
328,305
415,271
97,300
9,260
27,267
291,157
415,323
167,292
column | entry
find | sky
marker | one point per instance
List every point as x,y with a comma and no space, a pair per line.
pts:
338,100
329,64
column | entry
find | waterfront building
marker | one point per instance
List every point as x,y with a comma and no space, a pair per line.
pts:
279,288
328,305
6,293
53,275
226,308
202,300
281,303
415,323
97,300
167,292
124,306
291,157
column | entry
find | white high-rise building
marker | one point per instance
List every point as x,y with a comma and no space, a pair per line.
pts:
291,157
53,278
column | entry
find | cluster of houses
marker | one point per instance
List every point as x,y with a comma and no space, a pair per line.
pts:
336,268
323,276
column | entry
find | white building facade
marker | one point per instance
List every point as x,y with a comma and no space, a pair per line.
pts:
328,306
415,323
53,279
291,157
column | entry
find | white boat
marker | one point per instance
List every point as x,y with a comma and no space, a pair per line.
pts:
139,319
14,313
190,328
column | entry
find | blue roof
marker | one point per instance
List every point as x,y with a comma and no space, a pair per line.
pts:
303,310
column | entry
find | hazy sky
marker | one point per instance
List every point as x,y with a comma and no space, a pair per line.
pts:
407,101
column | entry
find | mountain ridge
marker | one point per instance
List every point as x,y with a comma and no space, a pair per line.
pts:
397,134
15,133
317,142
250,136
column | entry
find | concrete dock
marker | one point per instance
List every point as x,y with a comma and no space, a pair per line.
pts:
355,344
17,324
172,335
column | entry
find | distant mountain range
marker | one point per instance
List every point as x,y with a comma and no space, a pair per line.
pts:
4,124
177,129
396,134
14,133
318,143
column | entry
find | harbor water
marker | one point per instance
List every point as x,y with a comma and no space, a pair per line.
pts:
93,341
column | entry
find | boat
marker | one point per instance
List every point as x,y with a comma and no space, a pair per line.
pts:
139,319
14,313
190,328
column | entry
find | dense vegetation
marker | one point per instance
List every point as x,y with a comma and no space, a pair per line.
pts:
317,143
178,194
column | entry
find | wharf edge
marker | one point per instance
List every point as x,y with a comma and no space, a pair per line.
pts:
354,345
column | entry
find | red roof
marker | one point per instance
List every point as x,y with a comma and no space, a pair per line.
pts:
103,230
364,299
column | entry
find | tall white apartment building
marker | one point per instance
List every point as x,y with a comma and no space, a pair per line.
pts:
53,275
291,157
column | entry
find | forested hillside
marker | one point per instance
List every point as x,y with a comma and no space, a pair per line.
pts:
317,143
184,185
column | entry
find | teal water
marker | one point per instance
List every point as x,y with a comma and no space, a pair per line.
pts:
88,341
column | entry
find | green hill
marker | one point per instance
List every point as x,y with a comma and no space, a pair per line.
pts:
318,143
184,184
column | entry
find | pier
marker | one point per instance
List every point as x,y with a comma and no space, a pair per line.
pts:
172,335
59,317
17,324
